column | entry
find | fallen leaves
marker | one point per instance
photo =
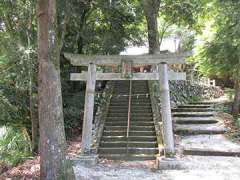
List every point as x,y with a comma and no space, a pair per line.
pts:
30,169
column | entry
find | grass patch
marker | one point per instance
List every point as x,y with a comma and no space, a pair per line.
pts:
195,99
15,146
229,93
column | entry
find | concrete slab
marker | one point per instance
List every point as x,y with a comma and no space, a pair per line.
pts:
216,128
193,114
194,106
195,120
192,109
169,163
86,160
209,143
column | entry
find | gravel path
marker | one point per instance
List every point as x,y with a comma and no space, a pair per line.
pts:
196,168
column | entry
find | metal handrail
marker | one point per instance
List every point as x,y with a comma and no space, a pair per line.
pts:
129,111
126,95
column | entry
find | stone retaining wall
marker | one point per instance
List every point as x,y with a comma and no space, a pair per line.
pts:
184,91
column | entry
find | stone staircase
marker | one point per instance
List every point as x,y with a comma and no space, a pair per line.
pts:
202,132
142,142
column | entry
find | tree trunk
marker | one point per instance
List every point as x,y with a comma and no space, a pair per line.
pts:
53,162
32,98
151,9
35,123
236,103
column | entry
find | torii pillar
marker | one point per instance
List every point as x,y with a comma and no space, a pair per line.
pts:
88,110
168,137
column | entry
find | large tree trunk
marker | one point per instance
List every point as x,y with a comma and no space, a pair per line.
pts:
236,103
54,165
151,9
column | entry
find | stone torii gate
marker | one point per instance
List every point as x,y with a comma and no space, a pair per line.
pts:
161,74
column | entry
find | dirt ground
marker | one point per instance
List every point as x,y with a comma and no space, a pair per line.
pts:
30,169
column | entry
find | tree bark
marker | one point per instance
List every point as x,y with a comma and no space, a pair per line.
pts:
34,121
151,9
32,97
53,163
236,103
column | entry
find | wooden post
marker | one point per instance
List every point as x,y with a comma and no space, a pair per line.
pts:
88,110
166,110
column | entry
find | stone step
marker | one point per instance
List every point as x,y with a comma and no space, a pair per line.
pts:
208,103
133,85
132,128
134,98
141,91
130,138
126,92
206,152
151,144
137,109
210,145
131,133
191,114
132,110
133,107
129,157
132,119
130,150
194,106
194,120
195,129
122,103
133,103
135,114
120,93
138,106
146,101
192,110
124,123
142,140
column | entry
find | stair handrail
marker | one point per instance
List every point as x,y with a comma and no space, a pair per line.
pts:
129,111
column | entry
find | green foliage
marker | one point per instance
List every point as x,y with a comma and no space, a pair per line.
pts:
17,61
15,146
73,107
180,18
195,99
182,12
219,54
14,79
229,93
104,27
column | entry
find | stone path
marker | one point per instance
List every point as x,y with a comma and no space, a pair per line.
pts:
202,132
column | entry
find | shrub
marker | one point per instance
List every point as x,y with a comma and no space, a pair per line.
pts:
15,146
